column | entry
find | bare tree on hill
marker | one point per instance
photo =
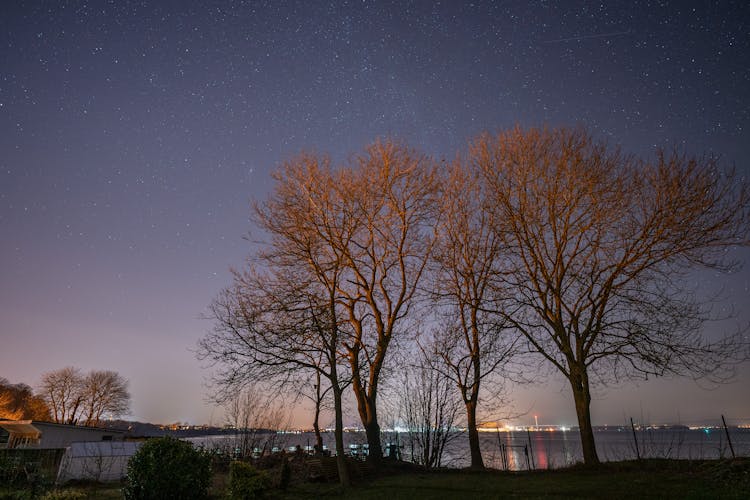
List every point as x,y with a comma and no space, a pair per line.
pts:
104,393
62,391
75,398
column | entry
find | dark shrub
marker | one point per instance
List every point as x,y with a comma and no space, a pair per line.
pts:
22,473
168,468
246,482
10,470
285,475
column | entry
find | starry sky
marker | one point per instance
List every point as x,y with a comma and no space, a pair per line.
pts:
135,135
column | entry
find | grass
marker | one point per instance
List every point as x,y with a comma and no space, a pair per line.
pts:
70,491
645,479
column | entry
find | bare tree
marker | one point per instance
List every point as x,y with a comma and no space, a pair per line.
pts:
61,390
601,244
253,413
429,409
74,397
472,345
104,394
390,193
363,234
281,324
318,393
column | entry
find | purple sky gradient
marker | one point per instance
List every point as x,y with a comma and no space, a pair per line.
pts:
134,135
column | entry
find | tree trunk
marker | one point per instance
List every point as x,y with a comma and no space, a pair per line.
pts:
372,429
368,415
476,452
582,396
316,421
338,433
316,428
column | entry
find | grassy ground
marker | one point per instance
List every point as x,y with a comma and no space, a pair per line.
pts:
649,479
82,491
646,479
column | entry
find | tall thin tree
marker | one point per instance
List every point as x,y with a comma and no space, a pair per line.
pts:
471,342
390,193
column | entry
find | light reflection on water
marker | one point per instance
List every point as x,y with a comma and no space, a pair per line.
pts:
540,449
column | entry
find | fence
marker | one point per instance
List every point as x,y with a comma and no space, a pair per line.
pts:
27,464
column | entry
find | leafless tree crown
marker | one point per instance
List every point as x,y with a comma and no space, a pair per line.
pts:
75,398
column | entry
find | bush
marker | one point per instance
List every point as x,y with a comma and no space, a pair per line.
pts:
246,482
168,468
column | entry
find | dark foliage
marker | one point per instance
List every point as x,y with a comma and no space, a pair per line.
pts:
247,482
168,468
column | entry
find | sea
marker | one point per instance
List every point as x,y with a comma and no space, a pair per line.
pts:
524,449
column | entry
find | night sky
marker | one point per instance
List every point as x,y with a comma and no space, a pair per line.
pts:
135,135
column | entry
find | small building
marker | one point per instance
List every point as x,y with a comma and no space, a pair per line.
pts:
19,434
48,435
62,435
68,451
